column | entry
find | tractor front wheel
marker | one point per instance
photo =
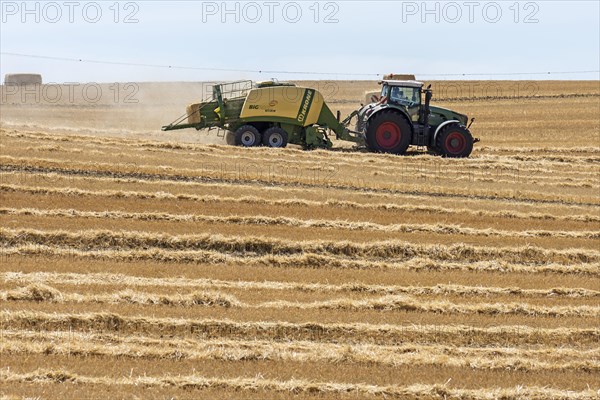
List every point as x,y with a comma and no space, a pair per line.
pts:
454,141
388,132
247,136
275,137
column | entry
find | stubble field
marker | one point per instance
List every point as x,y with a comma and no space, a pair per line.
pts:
141,264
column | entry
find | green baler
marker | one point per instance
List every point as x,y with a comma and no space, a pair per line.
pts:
269,113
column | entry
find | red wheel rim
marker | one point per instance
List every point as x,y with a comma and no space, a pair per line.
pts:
456,143
388,135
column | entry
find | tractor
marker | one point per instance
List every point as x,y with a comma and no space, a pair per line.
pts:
403,116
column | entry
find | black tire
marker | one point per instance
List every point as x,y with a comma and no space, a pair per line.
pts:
247,136
275,137
388,132
454,141
230,138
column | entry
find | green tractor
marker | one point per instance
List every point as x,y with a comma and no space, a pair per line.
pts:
274,114
403,116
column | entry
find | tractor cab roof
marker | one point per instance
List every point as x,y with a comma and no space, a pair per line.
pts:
273,82
414,84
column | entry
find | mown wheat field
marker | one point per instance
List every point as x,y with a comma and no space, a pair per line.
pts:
136,264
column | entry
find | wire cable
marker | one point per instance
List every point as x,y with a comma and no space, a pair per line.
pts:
282,72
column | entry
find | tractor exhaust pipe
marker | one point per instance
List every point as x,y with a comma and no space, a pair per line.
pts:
426,131
426,109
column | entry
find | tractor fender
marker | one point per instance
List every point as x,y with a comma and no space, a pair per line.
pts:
442,125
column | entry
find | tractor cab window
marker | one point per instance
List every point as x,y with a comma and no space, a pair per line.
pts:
385,91
405,95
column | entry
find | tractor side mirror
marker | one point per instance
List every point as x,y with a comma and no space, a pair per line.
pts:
471,123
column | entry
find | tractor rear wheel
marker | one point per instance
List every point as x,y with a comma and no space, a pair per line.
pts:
454,141
247,136
388,132
275,137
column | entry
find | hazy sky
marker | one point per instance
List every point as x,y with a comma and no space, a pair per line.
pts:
340,37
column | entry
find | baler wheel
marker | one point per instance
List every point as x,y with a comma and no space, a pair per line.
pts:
230,138
247,136
275,137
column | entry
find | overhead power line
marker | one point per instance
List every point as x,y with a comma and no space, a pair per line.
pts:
262,71
259,71
516,73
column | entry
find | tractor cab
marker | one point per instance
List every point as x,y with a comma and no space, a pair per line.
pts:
403,116
405,94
